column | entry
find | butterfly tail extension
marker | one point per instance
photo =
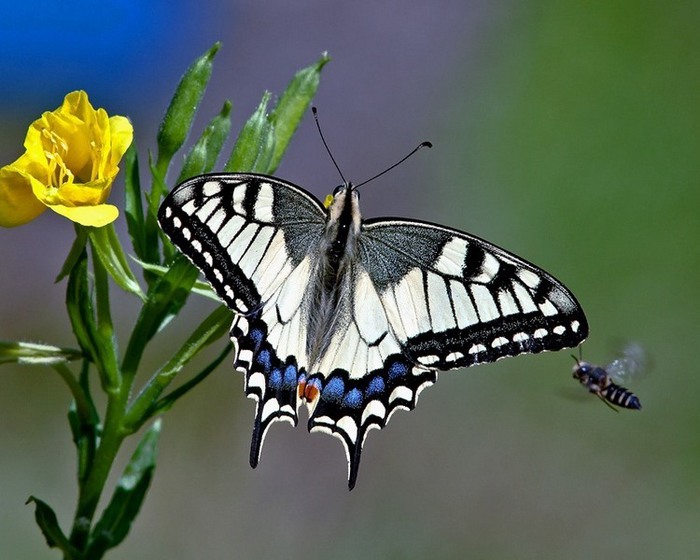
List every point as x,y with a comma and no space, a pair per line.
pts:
349,408
269,381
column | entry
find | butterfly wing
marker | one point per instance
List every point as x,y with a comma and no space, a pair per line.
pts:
254,237
425,298
456,300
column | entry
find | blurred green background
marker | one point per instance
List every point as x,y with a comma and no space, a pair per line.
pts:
568,133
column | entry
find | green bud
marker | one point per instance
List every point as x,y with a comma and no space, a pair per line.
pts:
178,118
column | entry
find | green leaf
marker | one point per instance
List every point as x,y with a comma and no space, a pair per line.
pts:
133,206
178,118
48,523
109,250
215,326
202,157
200,287
164,404
255,146
96,347
76,250
165,299
154,235
80,309
293,105
126,501
86,437
30,353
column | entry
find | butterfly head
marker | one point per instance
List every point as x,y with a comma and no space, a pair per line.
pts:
344,204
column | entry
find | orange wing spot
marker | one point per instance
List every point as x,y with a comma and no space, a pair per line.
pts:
301,387
308,391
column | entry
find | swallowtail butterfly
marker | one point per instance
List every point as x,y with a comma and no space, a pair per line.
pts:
603,381
353,317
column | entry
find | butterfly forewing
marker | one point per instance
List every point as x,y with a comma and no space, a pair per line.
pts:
454,300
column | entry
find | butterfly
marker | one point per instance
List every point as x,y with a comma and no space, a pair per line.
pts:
604,381
353,317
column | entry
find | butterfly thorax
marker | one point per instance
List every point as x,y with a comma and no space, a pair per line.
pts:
330,300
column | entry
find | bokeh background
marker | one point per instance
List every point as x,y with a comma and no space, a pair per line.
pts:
567,132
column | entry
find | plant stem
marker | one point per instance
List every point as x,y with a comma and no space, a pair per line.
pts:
91,489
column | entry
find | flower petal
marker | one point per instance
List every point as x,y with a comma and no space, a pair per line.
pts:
18,205
122,133
95,216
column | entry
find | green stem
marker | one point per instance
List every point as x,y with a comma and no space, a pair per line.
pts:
97,471
93,486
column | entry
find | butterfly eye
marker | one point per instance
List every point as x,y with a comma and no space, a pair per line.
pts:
337,190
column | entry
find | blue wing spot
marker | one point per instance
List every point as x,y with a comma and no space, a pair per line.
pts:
275,379
334,389
376,386
290,377
353,399
256,335
397,369
264,358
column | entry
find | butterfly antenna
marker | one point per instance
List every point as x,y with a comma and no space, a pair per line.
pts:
418,147
320,132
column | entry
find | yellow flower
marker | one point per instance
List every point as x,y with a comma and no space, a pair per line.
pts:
71,160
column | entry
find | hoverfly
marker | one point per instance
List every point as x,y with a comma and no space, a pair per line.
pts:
605,381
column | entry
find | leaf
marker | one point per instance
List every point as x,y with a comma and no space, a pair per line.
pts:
210,330
292,107
165,299
200,287
106,244
80,309
178,118
76,250
48,523
133,206
96,347
204,153
255,145
164,404
126,501
30,353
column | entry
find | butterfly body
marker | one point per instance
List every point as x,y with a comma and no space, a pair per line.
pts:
354,317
